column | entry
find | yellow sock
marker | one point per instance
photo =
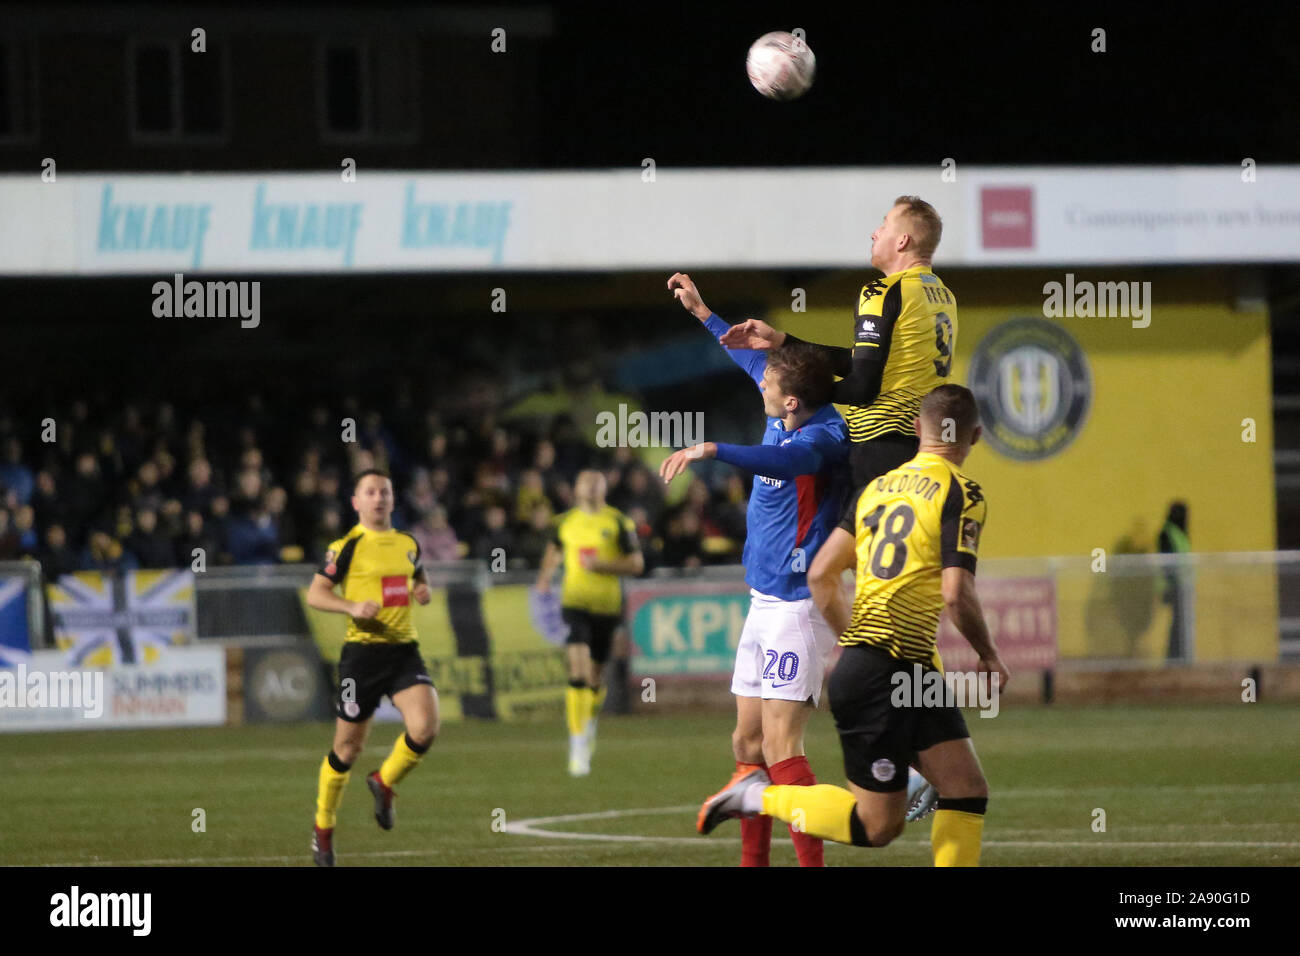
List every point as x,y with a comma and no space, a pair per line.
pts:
821,810
575,699
955,838
329,794
399,763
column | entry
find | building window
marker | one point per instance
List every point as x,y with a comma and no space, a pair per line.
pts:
368,89
17,91
177,95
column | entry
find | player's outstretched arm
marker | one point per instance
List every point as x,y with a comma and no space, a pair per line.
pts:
833,558
963,606
321,596
840,359
678,461
683,289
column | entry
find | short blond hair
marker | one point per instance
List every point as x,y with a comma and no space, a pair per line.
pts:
926,224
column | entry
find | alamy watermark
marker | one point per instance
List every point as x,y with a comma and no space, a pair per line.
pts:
212,299
925,687
52,690
639,429
1085,299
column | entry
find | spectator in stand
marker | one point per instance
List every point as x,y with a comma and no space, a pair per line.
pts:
639,491
9,539
50,508
196,536
441,482
495,535
536,534
330,495
104,553
86,495
730,511
219,524
682,541
146,494
532,492
55,557
645,535
148,544
329,528
251,536
437,539
248,490
277,501
14,475
438,453
200,488
420,497
25,527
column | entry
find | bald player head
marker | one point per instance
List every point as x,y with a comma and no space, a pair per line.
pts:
949,423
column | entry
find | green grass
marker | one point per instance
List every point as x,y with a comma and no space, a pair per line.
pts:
1179,785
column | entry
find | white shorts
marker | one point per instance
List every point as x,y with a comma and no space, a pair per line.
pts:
783,650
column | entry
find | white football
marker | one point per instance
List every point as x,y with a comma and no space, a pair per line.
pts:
781,65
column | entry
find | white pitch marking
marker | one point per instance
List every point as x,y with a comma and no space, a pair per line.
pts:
166,861
530,827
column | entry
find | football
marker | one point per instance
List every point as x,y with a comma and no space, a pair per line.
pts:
781,65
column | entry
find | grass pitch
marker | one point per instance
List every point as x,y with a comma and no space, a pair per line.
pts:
1179,786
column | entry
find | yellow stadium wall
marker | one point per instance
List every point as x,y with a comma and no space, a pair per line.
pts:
1165,422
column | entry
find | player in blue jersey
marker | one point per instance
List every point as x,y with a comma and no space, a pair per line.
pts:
800,481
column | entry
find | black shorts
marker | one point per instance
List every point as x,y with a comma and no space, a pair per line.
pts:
594,630
375,670
880,740
869,460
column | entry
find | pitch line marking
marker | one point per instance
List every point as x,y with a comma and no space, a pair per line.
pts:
532,827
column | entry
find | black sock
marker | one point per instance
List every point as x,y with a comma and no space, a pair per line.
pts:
418,748
338,765
577,682
964,804
857,832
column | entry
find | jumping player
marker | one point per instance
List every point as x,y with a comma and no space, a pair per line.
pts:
914,537
798,491
903,339
379,570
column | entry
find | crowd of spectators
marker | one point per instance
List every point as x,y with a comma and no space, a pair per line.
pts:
144,486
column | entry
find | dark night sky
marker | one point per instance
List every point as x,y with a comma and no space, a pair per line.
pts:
897,86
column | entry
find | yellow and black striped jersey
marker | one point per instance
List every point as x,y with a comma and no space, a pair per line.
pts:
376,566
909,524
908,319
604,535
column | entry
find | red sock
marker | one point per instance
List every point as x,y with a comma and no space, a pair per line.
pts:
795,772
755,834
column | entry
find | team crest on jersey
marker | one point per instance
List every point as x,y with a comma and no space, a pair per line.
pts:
1033,385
